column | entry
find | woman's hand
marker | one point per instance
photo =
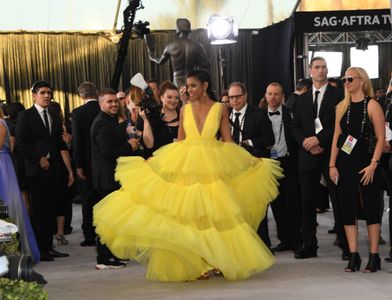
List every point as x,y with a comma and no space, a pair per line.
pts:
368,173
334,175
142,114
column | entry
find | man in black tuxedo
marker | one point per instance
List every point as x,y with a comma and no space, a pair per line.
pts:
286,207
46,159
82,119
108,142
252,129
313,127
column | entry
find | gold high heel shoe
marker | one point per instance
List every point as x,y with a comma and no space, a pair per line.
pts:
61,240
204,276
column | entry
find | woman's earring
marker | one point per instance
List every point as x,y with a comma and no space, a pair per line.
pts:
204,93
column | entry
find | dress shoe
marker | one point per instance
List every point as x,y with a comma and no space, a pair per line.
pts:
282,247
87,243
54,253
306,252
389,259
345,254
45,256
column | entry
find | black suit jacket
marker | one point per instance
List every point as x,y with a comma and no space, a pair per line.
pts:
303,126
108,142
33,142
82,120
258,128
292,145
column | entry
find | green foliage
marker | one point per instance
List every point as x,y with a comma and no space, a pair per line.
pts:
12,247
21,290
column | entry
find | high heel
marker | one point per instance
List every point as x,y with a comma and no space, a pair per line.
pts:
217,272
374,263
61,240
204,276
354,263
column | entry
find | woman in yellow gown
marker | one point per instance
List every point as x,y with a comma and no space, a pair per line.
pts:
196,204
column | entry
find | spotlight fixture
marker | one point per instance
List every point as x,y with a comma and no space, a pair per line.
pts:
221,30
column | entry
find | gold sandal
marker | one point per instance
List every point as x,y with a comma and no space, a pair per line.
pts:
204,276
61,240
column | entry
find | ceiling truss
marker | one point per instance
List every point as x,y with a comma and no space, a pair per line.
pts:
333,38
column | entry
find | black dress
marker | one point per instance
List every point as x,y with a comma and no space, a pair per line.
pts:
355,200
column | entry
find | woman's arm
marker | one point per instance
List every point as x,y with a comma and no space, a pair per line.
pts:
224,125
67,162
148,136
376,116
181,132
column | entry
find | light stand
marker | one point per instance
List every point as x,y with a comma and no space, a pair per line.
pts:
221,31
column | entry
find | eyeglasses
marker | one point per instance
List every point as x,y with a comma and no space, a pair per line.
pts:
349,79
235,97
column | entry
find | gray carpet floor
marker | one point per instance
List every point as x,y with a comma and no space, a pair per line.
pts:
75,277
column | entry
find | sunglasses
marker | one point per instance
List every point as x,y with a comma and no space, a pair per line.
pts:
349,79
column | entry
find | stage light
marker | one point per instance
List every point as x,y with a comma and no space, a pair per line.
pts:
221,31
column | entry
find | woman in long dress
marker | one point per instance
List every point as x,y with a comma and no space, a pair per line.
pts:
355,154
11,195
196,204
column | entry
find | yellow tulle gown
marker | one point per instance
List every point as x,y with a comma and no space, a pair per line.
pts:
195,205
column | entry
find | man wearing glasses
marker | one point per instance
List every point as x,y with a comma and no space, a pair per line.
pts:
313,127
252,129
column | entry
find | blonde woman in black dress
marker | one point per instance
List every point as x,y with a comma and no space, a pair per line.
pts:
356,150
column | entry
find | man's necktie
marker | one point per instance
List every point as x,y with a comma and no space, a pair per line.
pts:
46,120
273,113
315,104
236,129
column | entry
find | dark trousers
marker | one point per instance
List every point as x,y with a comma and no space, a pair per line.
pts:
286,207
262,231
43,209
103,252
89,198
310,192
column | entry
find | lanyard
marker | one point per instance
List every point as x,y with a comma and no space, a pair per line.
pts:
363,119
280,131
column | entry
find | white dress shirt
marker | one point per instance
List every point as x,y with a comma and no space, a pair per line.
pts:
280,145
41,114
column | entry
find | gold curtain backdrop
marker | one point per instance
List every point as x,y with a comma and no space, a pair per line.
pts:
67,59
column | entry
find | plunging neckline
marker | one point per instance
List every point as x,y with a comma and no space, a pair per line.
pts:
200,132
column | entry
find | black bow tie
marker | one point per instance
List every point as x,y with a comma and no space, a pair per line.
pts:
274,113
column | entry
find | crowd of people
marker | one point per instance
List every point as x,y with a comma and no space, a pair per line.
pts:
181,182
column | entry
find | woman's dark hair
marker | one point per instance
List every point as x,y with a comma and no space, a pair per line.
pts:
203,76
166,85
14,108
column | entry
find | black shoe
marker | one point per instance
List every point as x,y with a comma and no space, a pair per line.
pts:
332,231
306,252
109,264
45,256
345,254
389,259
354,264
282,247
54,253
374,263
87,243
